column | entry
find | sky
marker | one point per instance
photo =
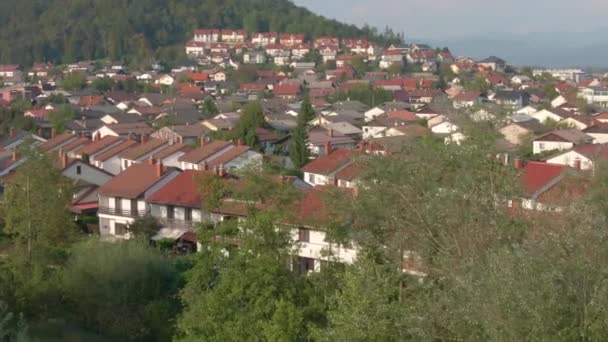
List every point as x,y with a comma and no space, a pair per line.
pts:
533,30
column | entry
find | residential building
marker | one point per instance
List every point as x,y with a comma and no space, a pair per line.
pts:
560,140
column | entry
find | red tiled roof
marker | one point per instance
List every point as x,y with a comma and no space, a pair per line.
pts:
198,76
349,173
538,175
204,152
183,190
58,140
90,100
171,150
311,210
229,155
98,145
133,182
143,149
467,96
115,150
37,113
402,114
329,163
286,89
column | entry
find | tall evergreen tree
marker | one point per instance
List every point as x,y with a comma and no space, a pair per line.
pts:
298,150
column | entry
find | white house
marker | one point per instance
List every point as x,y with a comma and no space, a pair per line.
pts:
560,140
581,157
123,199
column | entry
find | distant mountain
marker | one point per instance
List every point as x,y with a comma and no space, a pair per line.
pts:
560,49
70,30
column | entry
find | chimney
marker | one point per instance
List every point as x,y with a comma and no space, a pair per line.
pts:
64,161
519,163
334,181
96,137
330,132
14,156
144,139
515,204
577,164
130,137
159,169
203,141
53,133
220,171
151,161
327,148
205,166
11,132
239,142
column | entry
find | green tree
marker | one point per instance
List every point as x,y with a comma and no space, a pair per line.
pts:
103,84
249,294
35,209
74,81
252,117
107,283
209,108
61,116
298,150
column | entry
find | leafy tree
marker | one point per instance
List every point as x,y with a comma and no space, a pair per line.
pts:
248,294
144,227
550,92
299,152
209,108
366,307
35,209
102,84
366,94
252,117
61,116
107,283
74,81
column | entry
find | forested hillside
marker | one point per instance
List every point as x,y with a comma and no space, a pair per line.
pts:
70,30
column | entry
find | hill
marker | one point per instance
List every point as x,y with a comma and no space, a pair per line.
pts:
69,30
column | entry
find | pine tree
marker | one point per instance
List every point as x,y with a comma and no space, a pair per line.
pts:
299,150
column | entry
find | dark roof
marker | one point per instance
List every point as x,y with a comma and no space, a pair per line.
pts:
143,149
115,150
204,152
98,145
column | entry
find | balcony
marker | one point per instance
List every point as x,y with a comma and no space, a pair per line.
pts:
175,223
122,212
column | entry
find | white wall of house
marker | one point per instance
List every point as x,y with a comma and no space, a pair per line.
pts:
172,160
543,115
599,138
568,158
542,146
570,122
317,248
445,127
315,179
111,165
372,113
83,171
374,132
247,159
104,132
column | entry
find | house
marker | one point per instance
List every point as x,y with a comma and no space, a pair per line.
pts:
551,115
286,91
186,134
322,170
599,133
97,147
493,63
581,157
562,139
124,130
548,187
109,160
10,162
16,137
595,96
57,142
329,53
527,110
141,153
441,125
391,57
220,155
165,80
520,80
264,38
177,206
207,36
123,199
40,70
322,140
512,98
291,39
519,132
466,99
309,233
233,36
254,57
10,71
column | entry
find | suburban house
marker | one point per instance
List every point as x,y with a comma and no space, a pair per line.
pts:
512,98
109,160
123,199
466,99
124,130
220,155
599,133
143,152
182,133
323,170
562,139
493,63
551,115
289,92
595,95
322,140
519,132
548,187
581,157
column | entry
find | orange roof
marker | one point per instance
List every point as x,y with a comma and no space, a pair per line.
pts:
98,145
229,155
133,182
204,152
538,175
183,190
329,163
115,150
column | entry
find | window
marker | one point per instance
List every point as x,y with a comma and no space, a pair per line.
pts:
541,146
134,207
120,229
118,204
311,178
78,169
188,214
170,212
303,235
305,265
